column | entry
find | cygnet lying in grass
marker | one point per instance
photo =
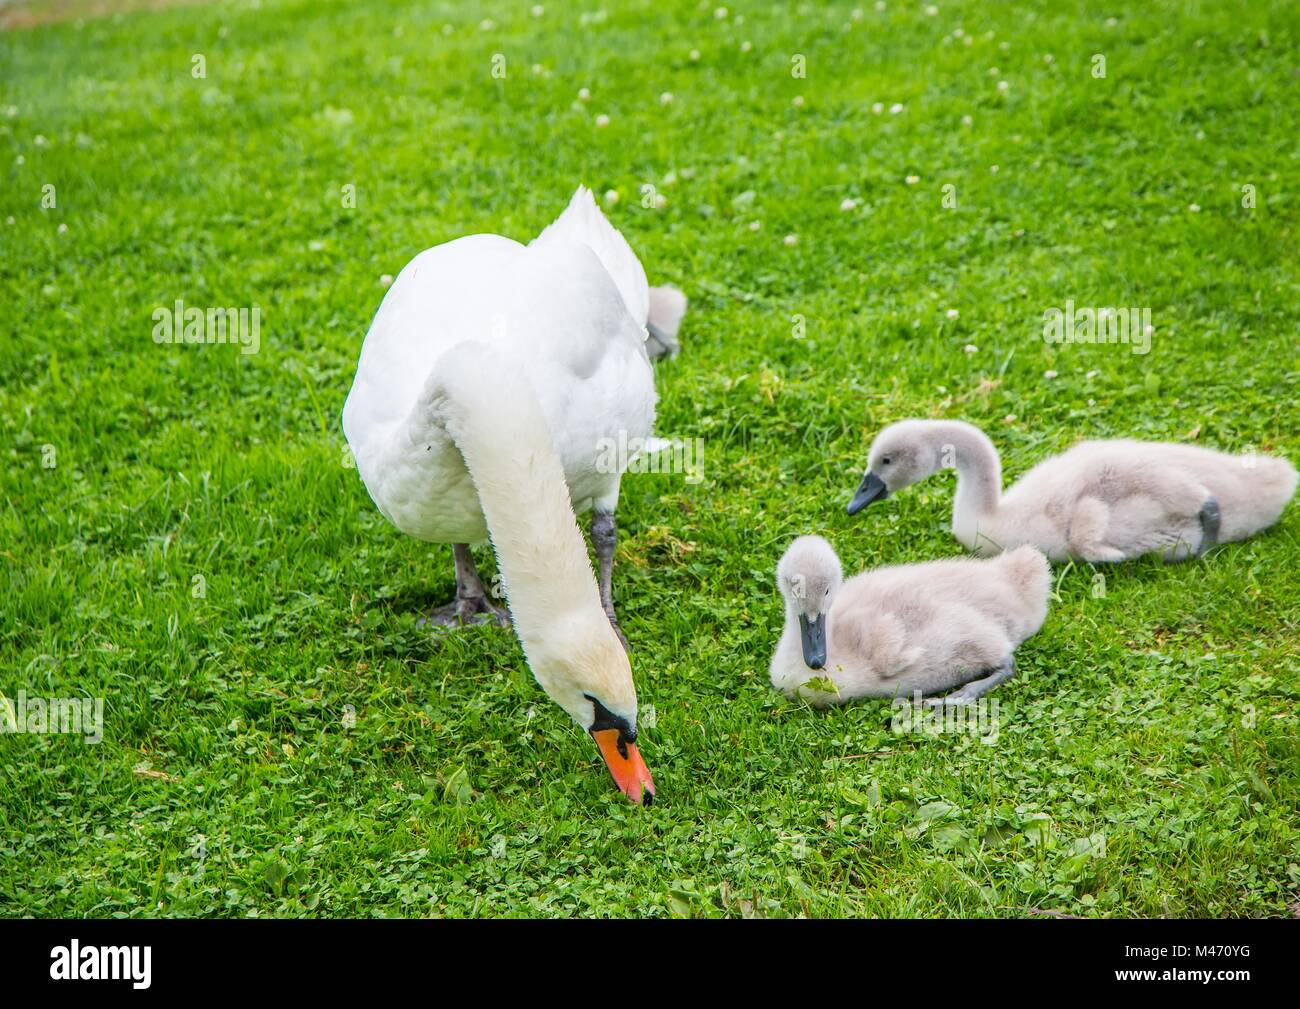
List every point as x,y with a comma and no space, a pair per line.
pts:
896,630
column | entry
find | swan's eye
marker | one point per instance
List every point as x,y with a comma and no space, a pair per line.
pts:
885,461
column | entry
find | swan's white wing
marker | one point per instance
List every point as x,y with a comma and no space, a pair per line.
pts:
421,316
583,223
564,317
556,313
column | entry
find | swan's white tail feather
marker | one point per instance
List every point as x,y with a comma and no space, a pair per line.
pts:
582,222
491,412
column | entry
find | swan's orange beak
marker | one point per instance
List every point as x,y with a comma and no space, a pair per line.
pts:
625,764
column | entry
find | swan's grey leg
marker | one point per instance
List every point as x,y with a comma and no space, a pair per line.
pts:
472,604
1209,516
977,688
604,537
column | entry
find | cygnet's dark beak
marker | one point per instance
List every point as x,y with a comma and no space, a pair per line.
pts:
872,489
812,634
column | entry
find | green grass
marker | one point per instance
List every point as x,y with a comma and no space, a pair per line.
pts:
1161,716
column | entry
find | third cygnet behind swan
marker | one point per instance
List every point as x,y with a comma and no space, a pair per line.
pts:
896,630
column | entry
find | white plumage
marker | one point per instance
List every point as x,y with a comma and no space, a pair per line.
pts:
490,384
557,311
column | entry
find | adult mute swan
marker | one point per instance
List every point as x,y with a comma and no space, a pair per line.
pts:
1101,501
894,631
489,382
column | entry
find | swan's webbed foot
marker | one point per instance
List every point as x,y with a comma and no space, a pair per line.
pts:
604,537
1210,518
472,605
466,610
976,688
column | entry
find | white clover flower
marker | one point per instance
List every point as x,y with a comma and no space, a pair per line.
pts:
602,120
1049,374
386,280
970,348
912,180
967,121
584,94
848,203
1003,86
797,101
791,239
1195,208
666,98
952,313
611,197
896,108
877,108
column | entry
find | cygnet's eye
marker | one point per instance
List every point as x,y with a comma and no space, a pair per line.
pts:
885,461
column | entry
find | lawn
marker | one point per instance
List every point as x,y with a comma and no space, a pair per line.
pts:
181,533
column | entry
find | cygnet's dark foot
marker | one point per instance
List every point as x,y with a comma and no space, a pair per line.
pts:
1209,516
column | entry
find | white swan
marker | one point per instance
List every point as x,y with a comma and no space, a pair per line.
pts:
491,379
894,631
1101,501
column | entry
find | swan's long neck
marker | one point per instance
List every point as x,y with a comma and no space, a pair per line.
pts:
979,481
491,413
